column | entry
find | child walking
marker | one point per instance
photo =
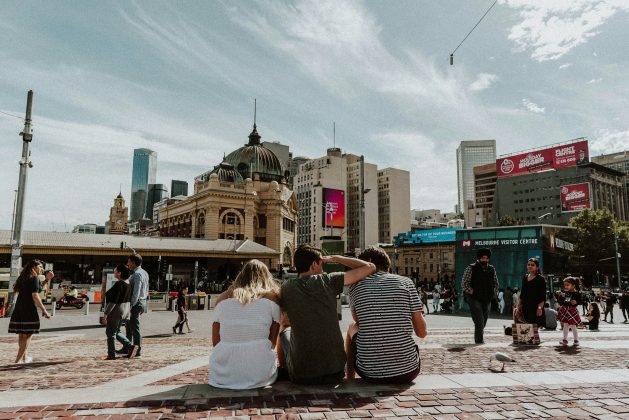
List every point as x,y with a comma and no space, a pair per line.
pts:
568,313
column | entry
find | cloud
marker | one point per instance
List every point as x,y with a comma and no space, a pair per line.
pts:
565,66
592,81
609,141
551,29
483,81
532,106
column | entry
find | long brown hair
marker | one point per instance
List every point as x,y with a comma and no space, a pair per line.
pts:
253,282
25,275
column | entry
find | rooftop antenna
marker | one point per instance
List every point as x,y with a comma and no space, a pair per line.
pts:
334,133
470,32
255,109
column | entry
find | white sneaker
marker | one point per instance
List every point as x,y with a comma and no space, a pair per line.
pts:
28,359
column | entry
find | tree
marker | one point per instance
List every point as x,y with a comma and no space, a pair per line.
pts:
508,220
594,239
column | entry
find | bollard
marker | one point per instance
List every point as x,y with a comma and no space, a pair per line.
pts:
53,310
87,308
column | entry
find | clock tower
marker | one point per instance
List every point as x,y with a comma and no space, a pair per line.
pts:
118,217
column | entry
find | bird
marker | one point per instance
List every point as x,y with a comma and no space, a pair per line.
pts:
501,357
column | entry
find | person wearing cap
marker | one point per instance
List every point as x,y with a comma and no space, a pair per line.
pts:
480,287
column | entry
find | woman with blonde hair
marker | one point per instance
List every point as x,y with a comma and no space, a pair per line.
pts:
244,331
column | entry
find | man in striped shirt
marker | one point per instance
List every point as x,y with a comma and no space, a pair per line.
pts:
386,310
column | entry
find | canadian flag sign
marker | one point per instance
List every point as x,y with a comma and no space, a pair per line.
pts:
575,197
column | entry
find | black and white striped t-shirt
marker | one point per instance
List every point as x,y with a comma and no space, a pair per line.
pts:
383,304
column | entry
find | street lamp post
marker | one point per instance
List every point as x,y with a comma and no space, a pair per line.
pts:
617,258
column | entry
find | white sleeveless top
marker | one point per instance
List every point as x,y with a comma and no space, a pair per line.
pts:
243,359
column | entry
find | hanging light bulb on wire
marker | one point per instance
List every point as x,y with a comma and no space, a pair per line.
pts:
470,32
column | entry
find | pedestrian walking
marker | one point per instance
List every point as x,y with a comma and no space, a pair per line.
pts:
501,301
533,295
516,298
182,311
423,293
436,297
118,307
139,281
25,320
610,301
245,330
480,286
568,313
508,298
585,300
624,305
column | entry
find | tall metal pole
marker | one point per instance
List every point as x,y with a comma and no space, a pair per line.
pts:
617,258
362,203
25,164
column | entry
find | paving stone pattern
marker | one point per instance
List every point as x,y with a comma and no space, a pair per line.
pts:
583,401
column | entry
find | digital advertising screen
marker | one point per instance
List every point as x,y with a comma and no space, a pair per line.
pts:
575,197
333,209
555,157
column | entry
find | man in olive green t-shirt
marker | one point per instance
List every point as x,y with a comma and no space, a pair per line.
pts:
311,342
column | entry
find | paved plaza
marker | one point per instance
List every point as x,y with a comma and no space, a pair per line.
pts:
458,381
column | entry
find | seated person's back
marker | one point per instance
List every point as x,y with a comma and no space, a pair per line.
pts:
313,344
387,310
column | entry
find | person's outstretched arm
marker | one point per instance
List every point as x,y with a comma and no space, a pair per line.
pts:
359,268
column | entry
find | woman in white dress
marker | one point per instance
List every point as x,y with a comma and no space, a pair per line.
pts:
245,330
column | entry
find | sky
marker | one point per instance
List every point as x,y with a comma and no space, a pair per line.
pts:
180,78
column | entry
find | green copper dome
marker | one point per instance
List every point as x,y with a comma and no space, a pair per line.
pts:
253,158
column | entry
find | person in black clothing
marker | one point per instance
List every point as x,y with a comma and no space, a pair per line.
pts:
480,286
533,295
610,301
624,305
182,317
118,299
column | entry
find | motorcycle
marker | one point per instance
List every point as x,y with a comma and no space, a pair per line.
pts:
73,302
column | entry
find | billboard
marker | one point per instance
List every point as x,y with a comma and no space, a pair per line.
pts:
575,197
333,208
555,157
427,236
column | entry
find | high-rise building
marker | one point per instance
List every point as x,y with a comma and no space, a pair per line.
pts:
118,217
144,172
156,193
178,188
619,162
394,203
469,154
370,186
479,215
282,151
293,166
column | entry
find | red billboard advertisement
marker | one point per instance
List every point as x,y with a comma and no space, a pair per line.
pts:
333,208
555,157
575,197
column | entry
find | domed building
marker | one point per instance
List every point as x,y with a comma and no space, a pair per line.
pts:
245,197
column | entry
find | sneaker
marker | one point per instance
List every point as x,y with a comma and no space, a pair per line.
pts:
611,322
133,351
110,358
189,331
28,359
122,351
563,343
181,332
576,343
174,330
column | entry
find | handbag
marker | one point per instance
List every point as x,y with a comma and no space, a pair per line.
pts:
525,334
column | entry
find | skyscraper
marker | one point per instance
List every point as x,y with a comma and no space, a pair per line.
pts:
144,170
468,155
156,193
178,188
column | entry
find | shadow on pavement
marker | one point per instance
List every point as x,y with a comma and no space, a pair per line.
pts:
28,366
75,327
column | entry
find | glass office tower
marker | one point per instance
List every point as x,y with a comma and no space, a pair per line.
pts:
468,155
144,171
178,188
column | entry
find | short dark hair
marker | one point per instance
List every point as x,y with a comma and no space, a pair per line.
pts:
136,258
305,255
124,271
483,252
377,256
546,305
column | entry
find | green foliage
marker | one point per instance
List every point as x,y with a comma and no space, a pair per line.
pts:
508,220
595,234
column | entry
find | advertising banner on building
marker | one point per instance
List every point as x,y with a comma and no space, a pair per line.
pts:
333,208
575,197
427,236
556,157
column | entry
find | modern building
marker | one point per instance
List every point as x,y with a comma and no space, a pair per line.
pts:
144,173
178,188
293,165
620,162
118,217
547,195
469,154
320,186
479,215
156,193
245,197
85,228
370,188
282,152
394,203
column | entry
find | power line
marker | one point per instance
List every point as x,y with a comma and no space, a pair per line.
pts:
11,115
470,32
